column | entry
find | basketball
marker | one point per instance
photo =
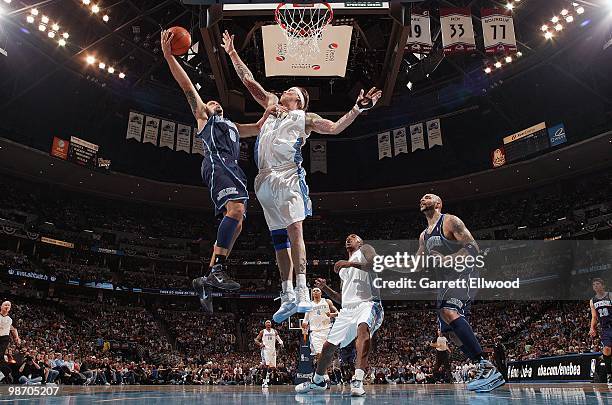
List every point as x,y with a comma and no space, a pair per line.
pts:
181,40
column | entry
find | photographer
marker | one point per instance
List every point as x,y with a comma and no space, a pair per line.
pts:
30,372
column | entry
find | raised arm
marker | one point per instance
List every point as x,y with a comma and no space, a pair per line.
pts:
198,108
315,123
263,97
368,252
593,329
334,295
332,308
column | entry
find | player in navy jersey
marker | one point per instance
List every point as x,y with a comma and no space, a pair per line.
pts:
447,236
220,173
601,311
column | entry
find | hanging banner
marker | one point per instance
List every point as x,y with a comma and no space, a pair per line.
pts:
457,30
60,148
498,31
384,145
434,133
134,128
400,145
183,138
498,157
416,137
419,39
318,156
197,145
151,131
168,129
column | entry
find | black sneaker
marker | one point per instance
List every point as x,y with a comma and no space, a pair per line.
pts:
218,278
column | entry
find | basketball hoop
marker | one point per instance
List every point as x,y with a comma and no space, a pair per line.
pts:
303,25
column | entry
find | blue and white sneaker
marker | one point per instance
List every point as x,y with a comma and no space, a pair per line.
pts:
357,388
487,378
310,386
304,304
288,307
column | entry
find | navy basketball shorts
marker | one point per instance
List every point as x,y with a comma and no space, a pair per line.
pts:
457,299
226,182
606,337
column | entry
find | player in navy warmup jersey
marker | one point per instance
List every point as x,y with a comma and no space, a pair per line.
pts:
220,173
446,235
601,311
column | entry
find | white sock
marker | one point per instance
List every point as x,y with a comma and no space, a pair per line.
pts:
317,379
287,285
301,280
326,377
359,374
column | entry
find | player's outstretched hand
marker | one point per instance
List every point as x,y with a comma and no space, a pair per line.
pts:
228,42
166,43
320,282
369,100
340,264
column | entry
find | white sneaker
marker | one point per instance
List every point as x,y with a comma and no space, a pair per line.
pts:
310,386
288,307
304,304
264,384
357,388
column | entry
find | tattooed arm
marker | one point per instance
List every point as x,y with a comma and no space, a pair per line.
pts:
322,126
456,230
198,108
263,97
250,130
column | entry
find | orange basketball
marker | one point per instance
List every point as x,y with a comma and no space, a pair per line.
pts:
181,41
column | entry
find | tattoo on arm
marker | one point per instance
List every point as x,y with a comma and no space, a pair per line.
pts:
324,126
193,102
247,78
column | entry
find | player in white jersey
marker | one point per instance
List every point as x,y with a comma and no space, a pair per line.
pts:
280,185
360,317
266,340
318,322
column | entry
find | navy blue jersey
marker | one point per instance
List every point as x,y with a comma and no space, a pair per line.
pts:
603,307
436,240
221,139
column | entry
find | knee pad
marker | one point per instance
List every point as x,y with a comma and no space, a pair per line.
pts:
280,239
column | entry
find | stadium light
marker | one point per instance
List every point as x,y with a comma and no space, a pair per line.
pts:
65,35
44,19
122,75
409,85
548,35
102,65
544,28
558,27
90,60
51,34
569,19
55,27
564,12
86,2
487,70
508,59
519,54
95,9
498,64
42,27
7,1
111,70
30,19
34,11
580,10
105,18
62,42
554,20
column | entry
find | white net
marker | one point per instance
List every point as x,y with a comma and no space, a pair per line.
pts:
303,26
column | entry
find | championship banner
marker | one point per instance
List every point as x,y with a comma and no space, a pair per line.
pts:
168,129
434,133
318,156
498,31
416,137
198,145
60,148
335,43
556,134
498,157
400,145
183,138
384,145
151,131
134,129
457,30
419,38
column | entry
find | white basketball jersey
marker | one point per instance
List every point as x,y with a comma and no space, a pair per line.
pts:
269,339
356,284
317,318
280,140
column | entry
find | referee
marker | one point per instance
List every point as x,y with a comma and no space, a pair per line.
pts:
442,368
6,329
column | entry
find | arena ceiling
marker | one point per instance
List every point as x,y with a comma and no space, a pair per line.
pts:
127,40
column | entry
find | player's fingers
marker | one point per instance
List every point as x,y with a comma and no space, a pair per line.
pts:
361,94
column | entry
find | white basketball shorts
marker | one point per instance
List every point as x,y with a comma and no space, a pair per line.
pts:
344,330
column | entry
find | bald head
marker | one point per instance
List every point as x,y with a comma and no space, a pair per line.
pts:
430,203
